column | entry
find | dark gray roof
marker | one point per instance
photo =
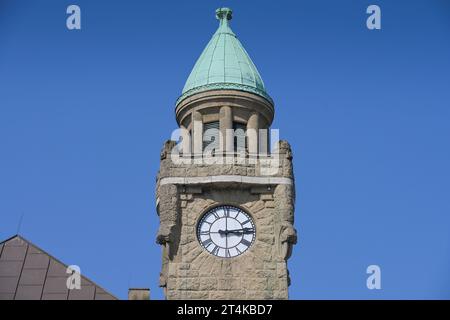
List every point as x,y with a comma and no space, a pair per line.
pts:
29,273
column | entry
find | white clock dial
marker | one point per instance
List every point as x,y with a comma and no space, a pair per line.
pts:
226,231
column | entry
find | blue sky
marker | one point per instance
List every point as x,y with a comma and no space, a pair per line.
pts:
83,115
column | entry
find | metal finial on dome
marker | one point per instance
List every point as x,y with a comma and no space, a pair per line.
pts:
224,14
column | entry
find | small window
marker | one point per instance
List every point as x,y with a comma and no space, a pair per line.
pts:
240,143
211,135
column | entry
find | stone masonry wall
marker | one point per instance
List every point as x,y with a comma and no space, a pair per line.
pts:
189,271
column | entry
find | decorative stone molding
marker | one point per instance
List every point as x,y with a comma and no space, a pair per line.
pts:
224,86
223,179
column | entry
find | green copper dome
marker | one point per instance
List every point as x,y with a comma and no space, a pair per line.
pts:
224,64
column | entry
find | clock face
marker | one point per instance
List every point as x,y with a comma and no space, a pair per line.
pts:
226,231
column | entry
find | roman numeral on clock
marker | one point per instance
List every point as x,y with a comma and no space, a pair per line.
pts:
215,250
207,242
245,242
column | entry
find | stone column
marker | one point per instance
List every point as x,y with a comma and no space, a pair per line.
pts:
226,126
197,135
252,134
186,142
263,142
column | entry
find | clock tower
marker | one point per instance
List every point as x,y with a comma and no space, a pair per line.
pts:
225,190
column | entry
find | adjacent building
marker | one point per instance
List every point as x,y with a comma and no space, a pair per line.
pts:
29,273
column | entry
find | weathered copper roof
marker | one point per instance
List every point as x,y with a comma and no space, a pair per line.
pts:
224,65
29,273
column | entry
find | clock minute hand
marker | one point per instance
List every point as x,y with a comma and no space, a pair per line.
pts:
244,230
238,231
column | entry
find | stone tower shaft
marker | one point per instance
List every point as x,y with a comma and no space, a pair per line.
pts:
226,209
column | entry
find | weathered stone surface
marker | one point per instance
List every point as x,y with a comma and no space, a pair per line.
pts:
280,294
195,295
267,238
173,270
259,295
228,283
184,283
257,206
208,284
227,295
270,204
259,284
